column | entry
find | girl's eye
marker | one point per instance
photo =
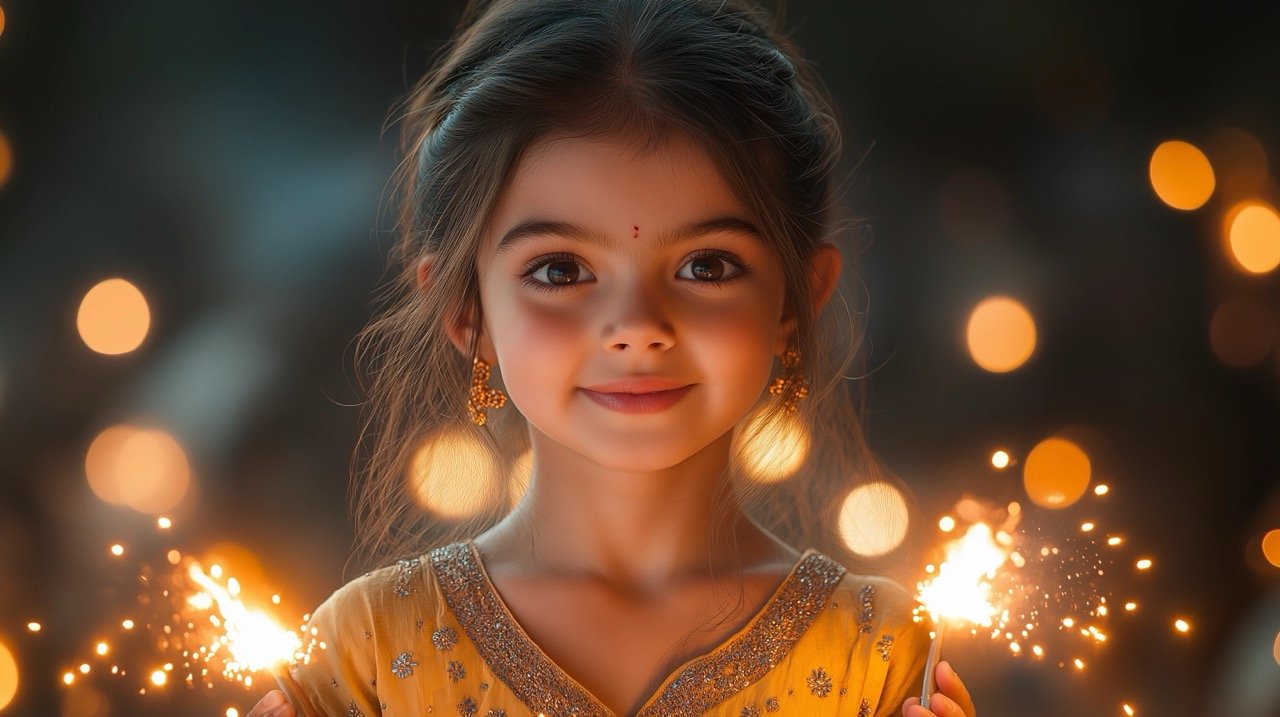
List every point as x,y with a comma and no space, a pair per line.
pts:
709,268
555,271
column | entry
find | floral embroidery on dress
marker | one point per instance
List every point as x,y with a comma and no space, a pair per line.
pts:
407,568
819,682
703,683
868,599
771,704
885,646
444,638
353,710
467,707
456,671
864,709
750,711
495,713
403,665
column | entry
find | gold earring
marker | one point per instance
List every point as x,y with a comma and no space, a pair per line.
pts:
791,384
481,396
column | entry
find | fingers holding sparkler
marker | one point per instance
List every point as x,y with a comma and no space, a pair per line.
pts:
273,704
951,700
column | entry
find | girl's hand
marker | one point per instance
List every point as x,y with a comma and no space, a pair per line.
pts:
273,704
951,700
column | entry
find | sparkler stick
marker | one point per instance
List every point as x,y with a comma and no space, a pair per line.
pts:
935,652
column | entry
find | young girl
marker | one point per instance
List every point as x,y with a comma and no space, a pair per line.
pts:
615,217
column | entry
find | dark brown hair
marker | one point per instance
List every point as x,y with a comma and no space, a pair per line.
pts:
518,71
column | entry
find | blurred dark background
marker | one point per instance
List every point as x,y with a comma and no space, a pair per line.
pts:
231,161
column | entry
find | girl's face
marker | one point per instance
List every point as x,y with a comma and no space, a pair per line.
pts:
600,265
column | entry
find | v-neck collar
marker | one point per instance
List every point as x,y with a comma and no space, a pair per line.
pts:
691,689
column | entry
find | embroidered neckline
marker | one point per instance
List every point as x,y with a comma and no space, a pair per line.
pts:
691,689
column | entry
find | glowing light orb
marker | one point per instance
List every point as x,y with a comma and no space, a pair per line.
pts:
113,317
1000,459
454,476
1181,175
1242,331
1001,334
143,469
8,676
1182,626
873,519
774,446
33,626
1056,473
1271,547
1253,236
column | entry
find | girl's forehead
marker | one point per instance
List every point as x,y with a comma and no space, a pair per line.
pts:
614,180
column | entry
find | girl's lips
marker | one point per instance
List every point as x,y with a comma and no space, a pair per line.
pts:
638,402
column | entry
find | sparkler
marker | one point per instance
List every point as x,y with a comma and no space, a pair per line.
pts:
961,591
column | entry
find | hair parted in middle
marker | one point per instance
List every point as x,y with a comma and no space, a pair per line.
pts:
519,71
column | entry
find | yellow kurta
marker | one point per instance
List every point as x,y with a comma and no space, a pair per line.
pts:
431,635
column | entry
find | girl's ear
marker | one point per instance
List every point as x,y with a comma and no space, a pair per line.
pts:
824,272
458,326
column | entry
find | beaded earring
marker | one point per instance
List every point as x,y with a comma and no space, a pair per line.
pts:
481,396
791,385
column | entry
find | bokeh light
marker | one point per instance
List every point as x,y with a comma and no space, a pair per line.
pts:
1001,335
6,155
8,676
1252,230
1271,547
1000,459
873,519
453,475
85,701
144,469
775,447
1275,649
1056,473
1241,331
1181,175
113,317
1239,162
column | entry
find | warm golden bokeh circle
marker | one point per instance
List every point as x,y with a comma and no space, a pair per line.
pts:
1271,547
775,448
873,519
144,469
1056,473
1181,175
1253,236
6,156
454,476
1001,334
1241,331
8,676
113,317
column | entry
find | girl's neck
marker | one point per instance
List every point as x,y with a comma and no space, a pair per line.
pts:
640,532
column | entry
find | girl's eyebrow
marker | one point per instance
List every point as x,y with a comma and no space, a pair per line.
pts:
546,227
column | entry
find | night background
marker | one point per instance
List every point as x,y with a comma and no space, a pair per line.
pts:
231,161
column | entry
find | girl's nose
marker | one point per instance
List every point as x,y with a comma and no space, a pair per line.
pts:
641,323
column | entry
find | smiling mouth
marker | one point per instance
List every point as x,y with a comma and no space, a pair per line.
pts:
649,402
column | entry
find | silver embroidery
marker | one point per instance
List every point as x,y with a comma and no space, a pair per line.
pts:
403,665
444,638
819,682
353,710
495,713
868,599
467,707
864,709
705,682
771,704
407,569
456,671
885,646
750,711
